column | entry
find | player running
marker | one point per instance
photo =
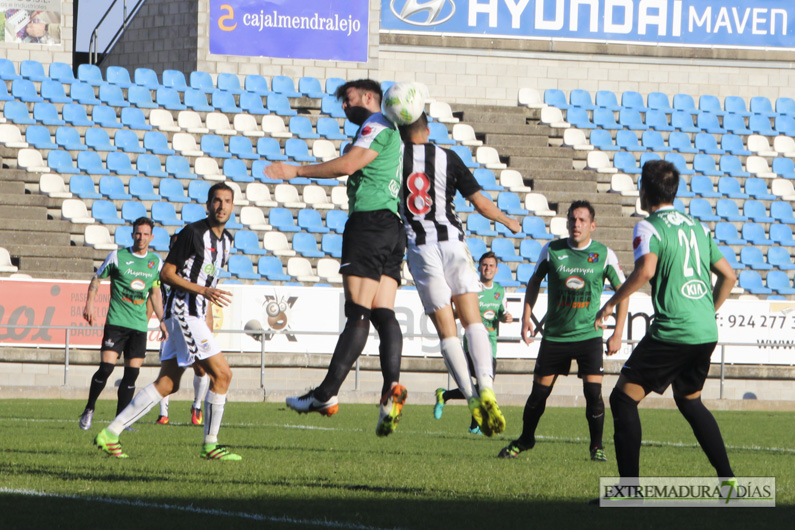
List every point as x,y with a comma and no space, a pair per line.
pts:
373,244
191,269
134,286
492,311
676,254
576,268
442,267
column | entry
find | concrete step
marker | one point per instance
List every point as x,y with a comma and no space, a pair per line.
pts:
498,127
63,251
547,186
58,275
55,265
22,212
22,199
514,141
539,163
36,225
21,237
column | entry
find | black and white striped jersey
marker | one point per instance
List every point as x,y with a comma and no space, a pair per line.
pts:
199,256
431,176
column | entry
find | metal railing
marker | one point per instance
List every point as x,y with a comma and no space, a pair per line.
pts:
92,44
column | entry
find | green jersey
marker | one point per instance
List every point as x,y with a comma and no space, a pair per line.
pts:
377,185
684,312
492,310
576,279
131,278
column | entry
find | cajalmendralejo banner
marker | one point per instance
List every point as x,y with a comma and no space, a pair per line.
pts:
693,23
334,30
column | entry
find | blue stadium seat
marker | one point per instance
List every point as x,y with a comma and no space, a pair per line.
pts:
785,125
487,179
69,139
7,70
728,209
735,105
118,75
196,100
753,258
633,100
198,190
306,245
505,250
524,271
161,240
757,188
75,115
480,225
735,124
504,276
61,162
141,97
477,247
761,105
39,137
90,163
45,113
780,258
241,266
252,104
168,98
127,141
329,128
201,81
258,172
98,140
701,209
280,105
705,165
213,146
530,249
230,83
105,116
751,281
281,84
336,219
62,72
659,101
174,79
726,234
331,244
731,257
626,163
702,186
297,149
734,145
682,190
581,98
24,90
503,231
730,187
91,74
607,99
281,219
755,234
782,212
645,157
247,242
332,84
257,85
83,186
164,213
761,125
461,205
579,118
310,87
83,93
683,121
350,128
53,92
271,268
710,103
105,212
179,167
779,282
120,164
628,141
731,165
146,77
225,102
439,135
4,95
112,95
653,141
785,105
310,220
241,147
685,103
123,236
784,167
602,140
270,149
706,143
172,190
192,212
157,143
141,187
332,106
708,122
302,128
534,227
680,142
113,188
236,170
509,202
556,98
782,235
658,120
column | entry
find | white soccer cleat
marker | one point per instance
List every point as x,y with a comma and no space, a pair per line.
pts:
307,403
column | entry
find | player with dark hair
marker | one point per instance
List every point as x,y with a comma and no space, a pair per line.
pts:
191,270
373,244
134,287
491,301
576,268
676,254
442,267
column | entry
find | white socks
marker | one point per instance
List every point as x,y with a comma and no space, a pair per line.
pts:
164,407
213,413
480,352
142,403
456,361
200,387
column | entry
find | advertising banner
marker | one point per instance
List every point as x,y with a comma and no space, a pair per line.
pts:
332,30
31,21
692,23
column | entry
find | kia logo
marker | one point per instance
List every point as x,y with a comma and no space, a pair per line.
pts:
435,10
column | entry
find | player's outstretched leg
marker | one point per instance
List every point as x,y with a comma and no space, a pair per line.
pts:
391,409
628,433
595,414
98,382
309,403
533,410
707,433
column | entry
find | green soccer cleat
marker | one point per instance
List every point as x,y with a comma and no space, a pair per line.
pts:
492,416
109,443
479,416
513,450
391,410
439,407
218,452
598,455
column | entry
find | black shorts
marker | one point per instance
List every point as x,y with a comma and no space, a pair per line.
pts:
130,342
554,358
373,245
655,365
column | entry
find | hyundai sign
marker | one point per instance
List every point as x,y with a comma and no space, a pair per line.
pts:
694,23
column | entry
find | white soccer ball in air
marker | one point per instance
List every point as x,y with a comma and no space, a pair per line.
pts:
403,103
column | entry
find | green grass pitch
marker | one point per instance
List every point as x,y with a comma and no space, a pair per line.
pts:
308,471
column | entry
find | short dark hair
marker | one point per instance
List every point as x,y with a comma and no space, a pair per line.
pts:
660,181
367,85
487,255
144,221
581,204
407,130
216,187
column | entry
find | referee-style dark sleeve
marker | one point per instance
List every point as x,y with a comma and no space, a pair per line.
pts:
464,180
183,248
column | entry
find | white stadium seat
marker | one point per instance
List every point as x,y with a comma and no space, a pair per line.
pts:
760,145
599,162
442,112
623,184
10,136
53,185
274,126
329,270
75,210
531,98
5,261
191,122
247,124
31,160
301,270
465,134
759,167
639,212
512,179
260,195
207,168
324,150
185,144
489,157
277,244
339,196
575,138
287,196
783,188
553,117
240,198
315,197
253,218
218,123
784,145
537,204
163,120
558,228
97,236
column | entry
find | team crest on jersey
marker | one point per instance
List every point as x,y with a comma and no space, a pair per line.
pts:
636,242
151,264
593,257
497,295
209,269
489,315
137,285
367,130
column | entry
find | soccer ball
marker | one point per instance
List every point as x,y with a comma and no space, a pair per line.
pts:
403,103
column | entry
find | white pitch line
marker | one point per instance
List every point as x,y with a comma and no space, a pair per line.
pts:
193,509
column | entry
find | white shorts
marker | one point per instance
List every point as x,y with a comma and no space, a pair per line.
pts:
189,339
442,270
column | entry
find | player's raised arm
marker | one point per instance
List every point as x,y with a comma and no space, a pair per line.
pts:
354,159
